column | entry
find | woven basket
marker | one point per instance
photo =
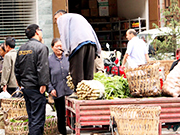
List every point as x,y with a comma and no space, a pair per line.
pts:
13,128
136,119
50,126
14,106
166,64
144,80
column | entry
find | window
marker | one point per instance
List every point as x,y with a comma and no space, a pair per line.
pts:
15,16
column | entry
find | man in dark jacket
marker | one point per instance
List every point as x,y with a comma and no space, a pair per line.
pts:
32,73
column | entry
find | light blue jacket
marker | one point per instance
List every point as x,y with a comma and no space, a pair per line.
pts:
75,29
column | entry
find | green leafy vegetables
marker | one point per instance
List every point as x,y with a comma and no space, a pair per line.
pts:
115,87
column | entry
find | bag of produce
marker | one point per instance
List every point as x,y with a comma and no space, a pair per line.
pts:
172,84
90,89
4,95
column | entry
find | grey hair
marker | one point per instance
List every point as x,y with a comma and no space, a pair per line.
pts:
60,11
132,31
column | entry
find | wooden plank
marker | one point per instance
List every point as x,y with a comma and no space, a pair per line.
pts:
170,110
166,120
87,123
128,101
95,118
101,107
95,112
170,115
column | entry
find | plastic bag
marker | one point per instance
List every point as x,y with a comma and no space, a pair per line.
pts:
172,84
17,93
4,95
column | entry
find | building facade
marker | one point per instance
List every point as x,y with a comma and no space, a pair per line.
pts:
16,15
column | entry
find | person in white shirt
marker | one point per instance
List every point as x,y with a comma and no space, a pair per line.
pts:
137,52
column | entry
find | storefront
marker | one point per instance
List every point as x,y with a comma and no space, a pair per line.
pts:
109,18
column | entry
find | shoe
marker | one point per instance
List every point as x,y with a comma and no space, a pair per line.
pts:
73,95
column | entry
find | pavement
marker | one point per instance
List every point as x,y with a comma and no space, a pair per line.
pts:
49,111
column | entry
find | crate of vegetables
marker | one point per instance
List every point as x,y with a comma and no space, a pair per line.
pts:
19,126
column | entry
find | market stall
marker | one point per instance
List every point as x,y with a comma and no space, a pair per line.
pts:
97,112
144,89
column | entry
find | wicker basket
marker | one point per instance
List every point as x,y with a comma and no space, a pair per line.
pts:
136,119
17,128
14,106
144,80
50,126
14,128
166,64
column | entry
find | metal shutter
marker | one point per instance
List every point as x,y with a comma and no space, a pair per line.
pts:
15,16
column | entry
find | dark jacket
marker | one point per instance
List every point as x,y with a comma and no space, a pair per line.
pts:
59,69
174,64
32,67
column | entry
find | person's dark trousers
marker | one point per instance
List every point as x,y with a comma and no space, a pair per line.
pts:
61,110
82,64
11,90
36,109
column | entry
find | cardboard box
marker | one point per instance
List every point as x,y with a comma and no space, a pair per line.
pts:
112,2
103,11
84,4
102,1
113,10
85,12
94,12
92,3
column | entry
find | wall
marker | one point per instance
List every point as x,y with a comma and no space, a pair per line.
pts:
131,8
56,5
45,21
153,13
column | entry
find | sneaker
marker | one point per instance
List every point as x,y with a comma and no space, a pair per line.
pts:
73,95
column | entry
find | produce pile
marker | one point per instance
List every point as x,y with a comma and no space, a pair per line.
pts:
90,90
115,87
26,120
25,126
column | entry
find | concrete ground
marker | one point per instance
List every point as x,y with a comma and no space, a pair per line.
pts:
84,132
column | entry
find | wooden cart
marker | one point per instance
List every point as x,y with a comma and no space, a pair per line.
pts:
97,112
